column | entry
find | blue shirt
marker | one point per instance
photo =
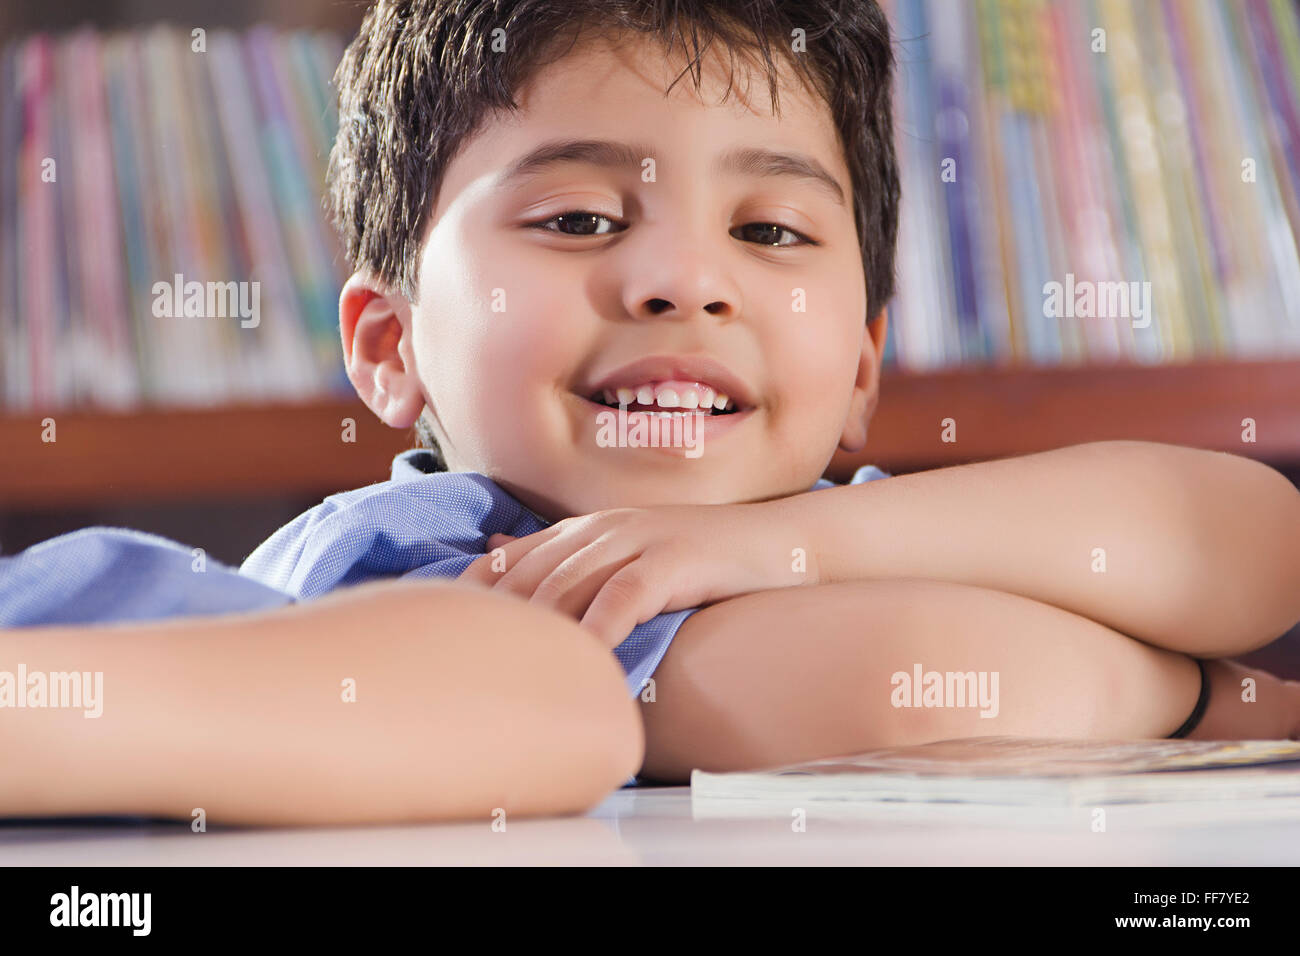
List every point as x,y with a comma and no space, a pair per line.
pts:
419,524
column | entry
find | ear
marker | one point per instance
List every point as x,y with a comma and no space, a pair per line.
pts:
375,324
866,390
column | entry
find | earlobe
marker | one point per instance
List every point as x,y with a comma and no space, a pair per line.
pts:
374,324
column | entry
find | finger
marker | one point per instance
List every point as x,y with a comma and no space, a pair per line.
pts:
571,585
627,599
479,572
501,555
526,571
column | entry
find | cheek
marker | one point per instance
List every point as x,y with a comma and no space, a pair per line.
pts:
530,327
518,363
814,354
493,339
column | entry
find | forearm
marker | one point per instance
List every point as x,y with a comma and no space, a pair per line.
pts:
1200,550
1059,674
798,673
465,701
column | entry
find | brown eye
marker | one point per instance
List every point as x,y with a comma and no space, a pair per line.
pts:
769,234
578,224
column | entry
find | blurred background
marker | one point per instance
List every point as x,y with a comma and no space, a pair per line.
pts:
1098,240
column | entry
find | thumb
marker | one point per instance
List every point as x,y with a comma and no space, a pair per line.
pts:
497,540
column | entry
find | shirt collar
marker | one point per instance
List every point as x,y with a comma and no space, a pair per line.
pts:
418,463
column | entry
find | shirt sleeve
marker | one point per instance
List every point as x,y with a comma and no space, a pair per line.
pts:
104,575
431,528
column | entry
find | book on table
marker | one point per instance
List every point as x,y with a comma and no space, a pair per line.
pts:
1021,772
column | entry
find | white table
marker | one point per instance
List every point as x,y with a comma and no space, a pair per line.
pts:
657,826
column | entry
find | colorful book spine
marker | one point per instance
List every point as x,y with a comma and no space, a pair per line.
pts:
1273,240
1139,153
37,196
922,333
130,159
11,390
288,362
1142,144
956,170
107,365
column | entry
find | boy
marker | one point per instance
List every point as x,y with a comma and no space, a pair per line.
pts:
608,243
621,243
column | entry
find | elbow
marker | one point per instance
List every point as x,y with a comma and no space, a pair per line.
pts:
1229,576
586,727
1287,565
1271,503
530,715
1252,546
605,739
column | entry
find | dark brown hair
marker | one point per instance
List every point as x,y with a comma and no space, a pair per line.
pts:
421,77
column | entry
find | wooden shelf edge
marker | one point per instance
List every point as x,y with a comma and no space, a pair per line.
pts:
1013,411
249,451
232,452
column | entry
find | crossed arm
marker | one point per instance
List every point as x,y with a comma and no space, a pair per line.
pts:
995,568
1180,548
464,702
468,701
1184,549
779,677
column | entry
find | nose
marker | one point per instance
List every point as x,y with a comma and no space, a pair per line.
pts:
679,280
658,306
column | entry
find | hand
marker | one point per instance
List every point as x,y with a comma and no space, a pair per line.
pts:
615,569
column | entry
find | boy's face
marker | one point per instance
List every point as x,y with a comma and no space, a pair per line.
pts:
522,316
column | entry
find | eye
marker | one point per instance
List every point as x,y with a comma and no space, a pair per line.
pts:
769,234
581,223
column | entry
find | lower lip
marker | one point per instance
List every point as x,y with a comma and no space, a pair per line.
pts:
714,426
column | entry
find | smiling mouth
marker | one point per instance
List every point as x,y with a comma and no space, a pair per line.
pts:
665,406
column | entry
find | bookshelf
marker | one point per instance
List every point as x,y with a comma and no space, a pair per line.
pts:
1046,187
254,451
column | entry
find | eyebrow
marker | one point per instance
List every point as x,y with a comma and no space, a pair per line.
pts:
610,154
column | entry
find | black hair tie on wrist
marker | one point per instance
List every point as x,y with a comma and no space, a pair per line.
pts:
1202,702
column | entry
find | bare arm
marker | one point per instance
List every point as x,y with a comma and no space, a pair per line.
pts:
1201,549
799,673
465,701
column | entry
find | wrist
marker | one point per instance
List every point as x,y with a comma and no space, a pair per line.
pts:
1190,725
792,532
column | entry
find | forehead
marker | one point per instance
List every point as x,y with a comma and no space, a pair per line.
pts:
640,63
629,87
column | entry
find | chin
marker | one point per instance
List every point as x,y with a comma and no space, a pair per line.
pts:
683,486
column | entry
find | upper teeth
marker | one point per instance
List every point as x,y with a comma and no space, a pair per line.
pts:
702,396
